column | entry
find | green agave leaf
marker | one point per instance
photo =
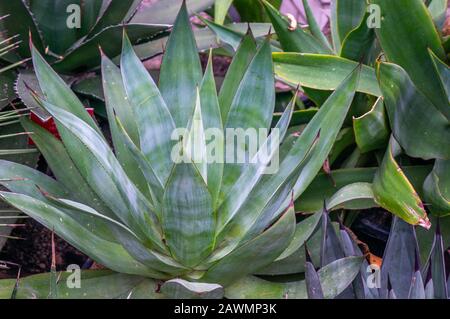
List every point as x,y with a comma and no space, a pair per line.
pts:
7,94
410,114
358,42
399,258
334,278
64,168
239,65
296,40
182,289
90,87
86,55
155,185
323,72
303,232
155,124
104,174
394,192
107,227
304,159
20,178
115,13
314,26
187,219
181,72
252,108
254,254
399,21
194,145
344,140
19,11
221,10
299,117
166,11
117,102
437,190
52,20
56,91
106,253
346,16
252,173
95,284
212,121
372,129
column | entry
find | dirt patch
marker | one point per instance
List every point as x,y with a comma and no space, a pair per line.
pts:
33,253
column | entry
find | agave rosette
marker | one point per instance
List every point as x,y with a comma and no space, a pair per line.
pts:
136,211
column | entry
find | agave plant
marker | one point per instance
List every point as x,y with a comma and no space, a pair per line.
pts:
198,226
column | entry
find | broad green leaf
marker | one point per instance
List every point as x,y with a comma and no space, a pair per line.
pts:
19,11
86,56
188,219
98,165
250,10
56,91
437,188
254,254
117,102
399,258
182,289
334,278
64,168
352,196
344,140
115,13
394,192
399,21
346,16
314,27
96,284
322,72
251,111
372,129
410,114
212,120
357,44
181,72
155,124
322,188
106,253
244,55
221,9
296,40
166,11
54,20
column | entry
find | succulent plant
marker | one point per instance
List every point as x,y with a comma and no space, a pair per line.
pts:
197,225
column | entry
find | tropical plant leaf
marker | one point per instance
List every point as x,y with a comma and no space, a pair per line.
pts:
182,289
